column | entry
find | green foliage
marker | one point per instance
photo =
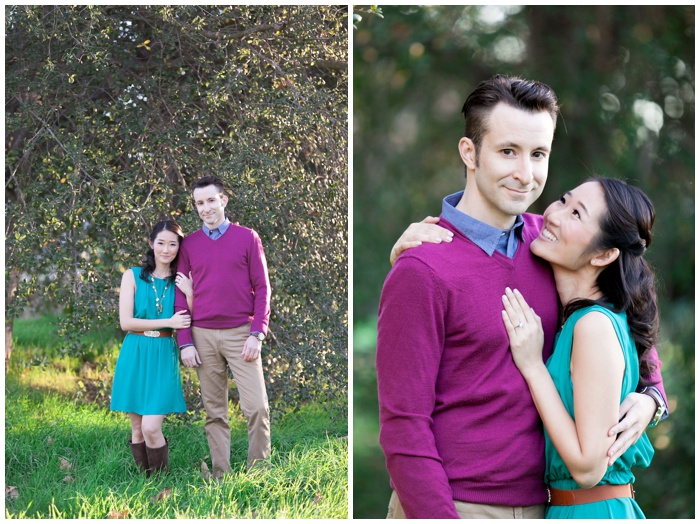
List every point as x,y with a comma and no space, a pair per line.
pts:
113,111
619,71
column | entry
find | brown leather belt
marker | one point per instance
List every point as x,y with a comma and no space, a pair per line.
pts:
153,333
571,497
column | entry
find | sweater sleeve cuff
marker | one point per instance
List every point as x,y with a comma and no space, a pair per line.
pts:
184,338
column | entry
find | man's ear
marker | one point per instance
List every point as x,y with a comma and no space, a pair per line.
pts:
606,258
467,150
224,199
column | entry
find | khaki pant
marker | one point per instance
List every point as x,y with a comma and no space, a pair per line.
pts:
219,349
467,510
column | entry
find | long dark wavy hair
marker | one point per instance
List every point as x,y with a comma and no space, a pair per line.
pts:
148,263
628,283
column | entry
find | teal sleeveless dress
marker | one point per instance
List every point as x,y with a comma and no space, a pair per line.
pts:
638,455
147,375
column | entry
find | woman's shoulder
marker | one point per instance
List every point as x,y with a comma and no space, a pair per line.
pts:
600,324
133,273
594,317
595,314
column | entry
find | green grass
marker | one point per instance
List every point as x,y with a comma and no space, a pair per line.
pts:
68,457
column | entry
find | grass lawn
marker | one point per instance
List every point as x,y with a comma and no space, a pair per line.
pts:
66,455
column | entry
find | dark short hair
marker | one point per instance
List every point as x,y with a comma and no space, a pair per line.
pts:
209,181
527,95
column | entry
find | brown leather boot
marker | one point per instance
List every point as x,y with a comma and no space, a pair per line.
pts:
140,456
158,458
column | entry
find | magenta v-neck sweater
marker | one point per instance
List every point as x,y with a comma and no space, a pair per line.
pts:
230,280
457,421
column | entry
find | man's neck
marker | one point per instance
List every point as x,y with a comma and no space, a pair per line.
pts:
479,211
214,226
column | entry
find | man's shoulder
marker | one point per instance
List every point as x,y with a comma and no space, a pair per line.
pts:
532,220
427,261
532,225
192,237
242,230
427,255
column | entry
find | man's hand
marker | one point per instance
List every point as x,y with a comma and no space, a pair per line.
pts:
637,410
419,232
190,357
251,349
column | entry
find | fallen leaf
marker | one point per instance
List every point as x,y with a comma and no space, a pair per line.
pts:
65,465
343,438
11,492
49,441
205,471
318,498
68,479
163,494
114,514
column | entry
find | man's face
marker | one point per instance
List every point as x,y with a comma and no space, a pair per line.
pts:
511,168
210,205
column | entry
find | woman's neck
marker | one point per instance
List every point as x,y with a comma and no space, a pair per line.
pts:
161,270
576,285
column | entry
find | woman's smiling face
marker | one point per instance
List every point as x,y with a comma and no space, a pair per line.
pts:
570,225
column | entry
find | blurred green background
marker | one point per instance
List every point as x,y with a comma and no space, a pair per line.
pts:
625,80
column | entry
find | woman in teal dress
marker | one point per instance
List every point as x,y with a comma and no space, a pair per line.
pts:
594,237
147,376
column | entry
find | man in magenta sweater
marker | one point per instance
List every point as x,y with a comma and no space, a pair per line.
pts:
230,314
460,432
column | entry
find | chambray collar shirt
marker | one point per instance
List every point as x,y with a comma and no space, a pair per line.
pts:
216,233
488,238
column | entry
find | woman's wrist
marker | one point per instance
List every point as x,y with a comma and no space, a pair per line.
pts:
533,372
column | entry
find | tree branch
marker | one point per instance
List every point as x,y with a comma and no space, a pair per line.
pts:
221,35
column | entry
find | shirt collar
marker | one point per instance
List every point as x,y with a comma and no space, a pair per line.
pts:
222,228
487,237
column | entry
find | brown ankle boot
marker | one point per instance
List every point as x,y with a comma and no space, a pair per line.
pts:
140,456
158,458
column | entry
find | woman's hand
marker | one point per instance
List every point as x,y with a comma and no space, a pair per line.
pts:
525,332
419,232
184,284
180,320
